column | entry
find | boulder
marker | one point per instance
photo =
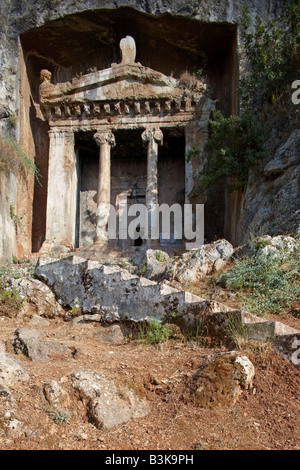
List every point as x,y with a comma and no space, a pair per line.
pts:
38,298
12,373
101,289
267,246
196,264
222,379
31,342
107,406
279,245
157,265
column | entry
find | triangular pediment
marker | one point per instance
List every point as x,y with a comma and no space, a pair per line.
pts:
114,90
120,82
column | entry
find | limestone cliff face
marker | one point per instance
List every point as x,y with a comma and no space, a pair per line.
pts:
271,202
20,16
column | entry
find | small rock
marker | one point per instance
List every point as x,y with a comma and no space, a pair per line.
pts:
55,395
112,334
31,342
28,341
157,265
12,372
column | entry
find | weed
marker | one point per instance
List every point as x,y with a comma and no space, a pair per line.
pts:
266,284
142,327
76,310
199,446
236,330
10,300
13,158
14,216
192,81
159,256
143,270
153,332
157,332
58,416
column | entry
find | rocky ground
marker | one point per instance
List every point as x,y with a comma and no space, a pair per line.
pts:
264,417
72,383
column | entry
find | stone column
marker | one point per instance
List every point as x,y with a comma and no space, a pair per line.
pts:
153,138
62,192
105,141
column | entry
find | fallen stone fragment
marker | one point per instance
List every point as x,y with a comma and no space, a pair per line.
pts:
220,382
37,320
196,264
112,334
38,298
31,342
106,405
12,373
55,395
157,265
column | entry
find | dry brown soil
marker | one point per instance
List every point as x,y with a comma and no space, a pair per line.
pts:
265,417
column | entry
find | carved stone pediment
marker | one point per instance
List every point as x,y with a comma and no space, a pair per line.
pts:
124,90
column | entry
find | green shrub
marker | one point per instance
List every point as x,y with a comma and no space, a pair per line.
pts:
235,145
157,332
10,300
58,416
153,332
266,284
14,159
273,55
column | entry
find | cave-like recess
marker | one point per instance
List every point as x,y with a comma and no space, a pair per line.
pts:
82,42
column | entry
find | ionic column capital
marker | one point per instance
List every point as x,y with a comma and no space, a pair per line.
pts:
102,137
155,135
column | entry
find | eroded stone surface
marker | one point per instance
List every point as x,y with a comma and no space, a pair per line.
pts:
196,264
221,381
106,405
39,299
33,344
12,373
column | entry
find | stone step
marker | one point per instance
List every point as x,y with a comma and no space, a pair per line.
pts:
289,347
252,327
268,330
99,287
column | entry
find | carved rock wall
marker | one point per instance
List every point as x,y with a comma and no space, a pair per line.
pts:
20,16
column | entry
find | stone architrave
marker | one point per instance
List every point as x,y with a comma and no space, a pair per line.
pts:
62,190
105,141
153,138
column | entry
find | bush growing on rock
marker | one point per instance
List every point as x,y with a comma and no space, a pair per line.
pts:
267,281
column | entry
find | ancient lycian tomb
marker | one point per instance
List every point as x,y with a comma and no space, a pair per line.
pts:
130,108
